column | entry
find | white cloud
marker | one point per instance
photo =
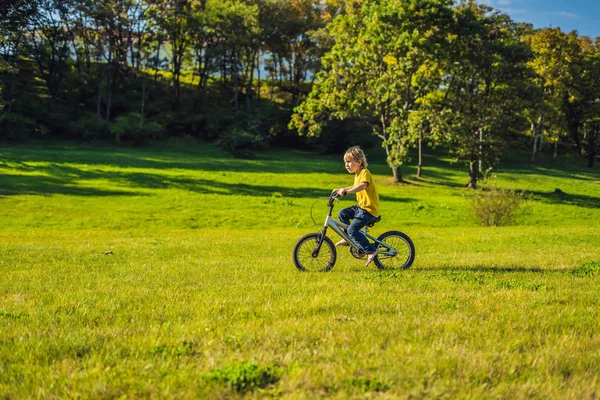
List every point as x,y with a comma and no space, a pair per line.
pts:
567,14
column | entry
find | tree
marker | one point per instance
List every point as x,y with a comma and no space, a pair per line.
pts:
290,36
48,43
589,99
555,53
384,60
13,26
112,29
173,17
204,41
486,82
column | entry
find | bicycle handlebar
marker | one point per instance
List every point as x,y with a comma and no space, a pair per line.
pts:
332,197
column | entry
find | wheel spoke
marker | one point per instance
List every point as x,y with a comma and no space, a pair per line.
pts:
404,252
304,255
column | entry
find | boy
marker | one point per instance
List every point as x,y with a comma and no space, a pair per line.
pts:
368,201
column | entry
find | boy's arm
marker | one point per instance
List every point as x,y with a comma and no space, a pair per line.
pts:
353,189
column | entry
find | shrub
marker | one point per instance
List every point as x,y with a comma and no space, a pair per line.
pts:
240,142
127,128
245,376
17,127
87,126
494,206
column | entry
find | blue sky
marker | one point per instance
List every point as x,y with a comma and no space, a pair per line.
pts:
580,15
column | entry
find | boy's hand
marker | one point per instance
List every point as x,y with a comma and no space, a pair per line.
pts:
340,192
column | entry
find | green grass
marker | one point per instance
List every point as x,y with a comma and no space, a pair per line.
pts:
166,272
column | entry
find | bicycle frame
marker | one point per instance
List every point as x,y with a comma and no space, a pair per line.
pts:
340,227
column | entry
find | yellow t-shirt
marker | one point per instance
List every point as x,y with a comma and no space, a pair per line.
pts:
367,199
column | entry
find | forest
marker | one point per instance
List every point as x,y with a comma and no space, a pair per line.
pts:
318,74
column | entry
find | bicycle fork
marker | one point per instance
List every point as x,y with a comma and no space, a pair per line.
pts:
317,249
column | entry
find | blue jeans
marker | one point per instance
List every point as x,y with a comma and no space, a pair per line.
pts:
360,218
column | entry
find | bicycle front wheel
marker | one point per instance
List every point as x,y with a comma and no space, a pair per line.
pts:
303,254
404,247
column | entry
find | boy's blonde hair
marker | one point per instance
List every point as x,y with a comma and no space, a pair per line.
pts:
357,155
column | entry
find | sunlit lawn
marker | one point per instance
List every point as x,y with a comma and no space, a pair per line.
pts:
166,272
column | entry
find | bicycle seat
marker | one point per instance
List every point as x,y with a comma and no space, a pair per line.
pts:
376,220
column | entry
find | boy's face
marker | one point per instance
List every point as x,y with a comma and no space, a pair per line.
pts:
352,165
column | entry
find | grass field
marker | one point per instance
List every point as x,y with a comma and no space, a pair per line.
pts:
166,272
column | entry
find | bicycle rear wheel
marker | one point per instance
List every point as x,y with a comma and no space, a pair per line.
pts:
303,257
404,247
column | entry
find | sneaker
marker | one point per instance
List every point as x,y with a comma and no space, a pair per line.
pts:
371,257
342,243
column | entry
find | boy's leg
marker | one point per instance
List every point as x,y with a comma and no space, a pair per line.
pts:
361,218
345,215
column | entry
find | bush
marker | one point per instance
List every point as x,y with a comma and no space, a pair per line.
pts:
494,206
240,142
87,127
181,124
17,127
127,128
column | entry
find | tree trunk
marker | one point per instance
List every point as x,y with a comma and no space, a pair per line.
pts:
472,175
10,99
234,72
397,172
176,82
178,50
108,101
157,65
591,159
11,93
592,146
396,169
258,77
249,86
480,161
131,47
143,103
535,138
99,106
555,155
420,166
536,128
203,80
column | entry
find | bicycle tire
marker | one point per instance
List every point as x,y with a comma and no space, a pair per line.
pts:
403,245
302,255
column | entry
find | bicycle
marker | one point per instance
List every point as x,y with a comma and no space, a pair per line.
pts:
316,251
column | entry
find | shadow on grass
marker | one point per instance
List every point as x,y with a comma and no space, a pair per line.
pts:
58,169
570,173
486,269
578,200
437,178
195,158
13,185
62,179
